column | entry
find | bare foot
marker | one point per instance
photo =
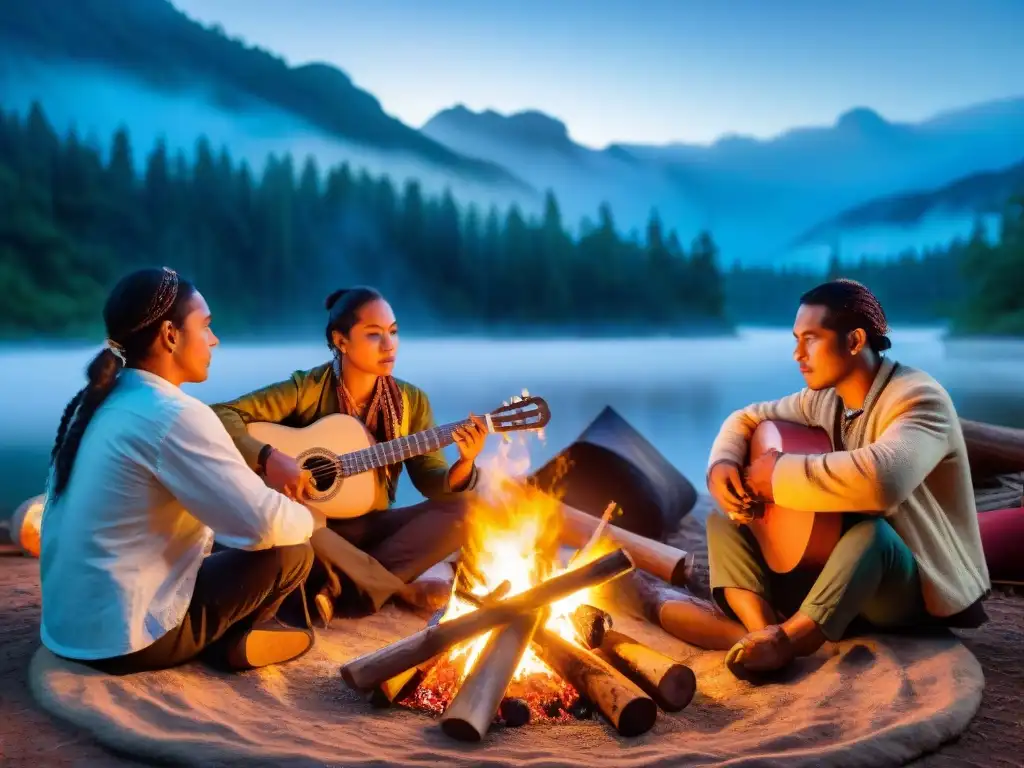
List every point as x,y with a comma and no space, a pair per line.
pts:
765,650
426,594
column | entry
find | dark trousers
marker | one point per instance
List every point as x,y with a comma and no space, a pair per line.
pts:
363,561
234,590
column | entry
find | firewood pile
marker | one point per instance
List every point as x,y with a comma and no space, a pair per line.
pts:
599,670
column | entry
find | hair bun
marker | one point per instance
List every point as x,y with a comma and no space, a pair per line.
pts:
333,298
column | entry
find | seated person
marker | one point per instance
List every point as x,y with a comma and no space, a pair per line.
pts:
390,547
142,478
911,551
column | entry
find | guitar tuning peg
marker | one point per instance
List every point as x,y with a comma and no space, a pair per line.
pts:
505,403
516,399
525,392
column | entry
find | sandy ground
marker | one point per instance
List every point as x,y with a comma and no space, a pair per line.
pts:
28,736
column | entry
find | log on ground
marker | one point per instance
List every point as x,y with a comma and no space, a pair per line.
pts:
670,683
666,562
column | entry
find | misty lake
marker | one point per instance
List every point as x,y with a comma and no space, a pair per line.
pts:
674,391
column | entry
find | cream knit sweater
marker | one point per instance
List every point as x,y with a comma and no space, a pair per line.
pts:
904,457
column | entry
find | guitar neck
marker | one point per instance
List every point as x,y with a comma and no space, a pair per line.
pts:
399,449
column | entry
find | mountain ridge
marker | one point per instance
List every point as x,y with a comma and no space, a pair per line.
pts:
167,48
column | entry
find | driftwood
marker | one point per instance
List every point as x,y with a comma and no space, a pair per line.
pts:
472,710
671,684
656,558
993,450
622,702
611,460
368,670
404,683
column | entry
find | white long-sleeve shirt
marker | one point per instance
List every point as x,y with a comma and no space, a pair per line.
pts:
155,478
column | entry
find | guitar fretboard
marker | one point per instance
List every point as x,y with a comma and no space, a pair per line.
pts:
399,449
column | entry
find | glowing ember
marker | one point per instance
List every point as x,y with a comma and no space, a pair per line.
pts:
512,535
549,698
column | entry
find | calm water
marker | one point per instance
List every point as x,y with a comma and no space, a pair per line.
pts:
676,392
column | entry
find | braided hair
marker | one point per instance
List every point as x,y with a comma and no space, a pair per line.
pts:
851,306
133,315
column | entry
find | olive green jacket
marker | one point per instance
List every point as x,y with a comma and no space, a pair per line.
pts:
310,395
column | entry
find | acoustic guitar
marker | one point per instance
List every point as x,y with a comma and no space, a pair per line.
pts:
793,539
342,455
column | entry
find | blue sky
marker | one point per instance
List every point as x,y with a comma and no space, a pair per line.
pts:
651,71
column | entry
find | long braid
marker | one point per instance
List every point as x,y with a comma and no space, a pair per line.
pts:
69,411
102,374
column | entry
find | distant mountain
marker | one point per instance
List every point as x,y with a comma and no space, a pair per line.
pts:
913,220
98,63
974,195
539,149
761,194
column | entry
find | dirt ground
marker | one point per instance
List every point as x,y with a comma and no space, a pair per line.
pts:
29,737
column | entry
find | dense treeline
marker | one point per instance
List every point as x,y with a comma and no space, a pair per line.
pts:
913,287
265,248
993,275
973,284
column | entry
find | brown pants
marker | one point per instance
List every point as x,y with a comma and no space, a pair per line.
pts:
362,562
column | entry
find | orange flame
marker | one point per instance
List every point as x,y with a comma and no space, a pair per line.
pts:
512,534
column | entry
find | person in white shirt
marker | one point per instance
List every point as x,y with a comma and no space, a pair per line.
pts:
143,478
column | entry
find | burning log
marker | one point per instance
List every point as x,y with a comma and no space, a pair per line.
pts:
622,702
370,669
591,623
658,559
401,685
671,684
472,710
514,712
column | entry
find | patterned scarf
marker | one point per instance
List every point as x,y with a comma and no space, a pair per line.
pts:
383,415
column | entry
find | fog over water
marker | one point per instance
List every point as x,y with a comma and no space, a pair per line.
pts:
676,392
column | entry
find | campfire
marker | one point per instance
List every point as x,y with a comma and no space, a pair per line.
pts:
519,641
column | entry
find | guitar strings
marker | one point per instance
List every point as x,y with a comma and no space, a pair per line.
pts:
337,464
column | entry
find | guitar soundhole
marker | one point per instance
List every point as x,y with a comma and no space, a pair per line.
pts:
324,472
